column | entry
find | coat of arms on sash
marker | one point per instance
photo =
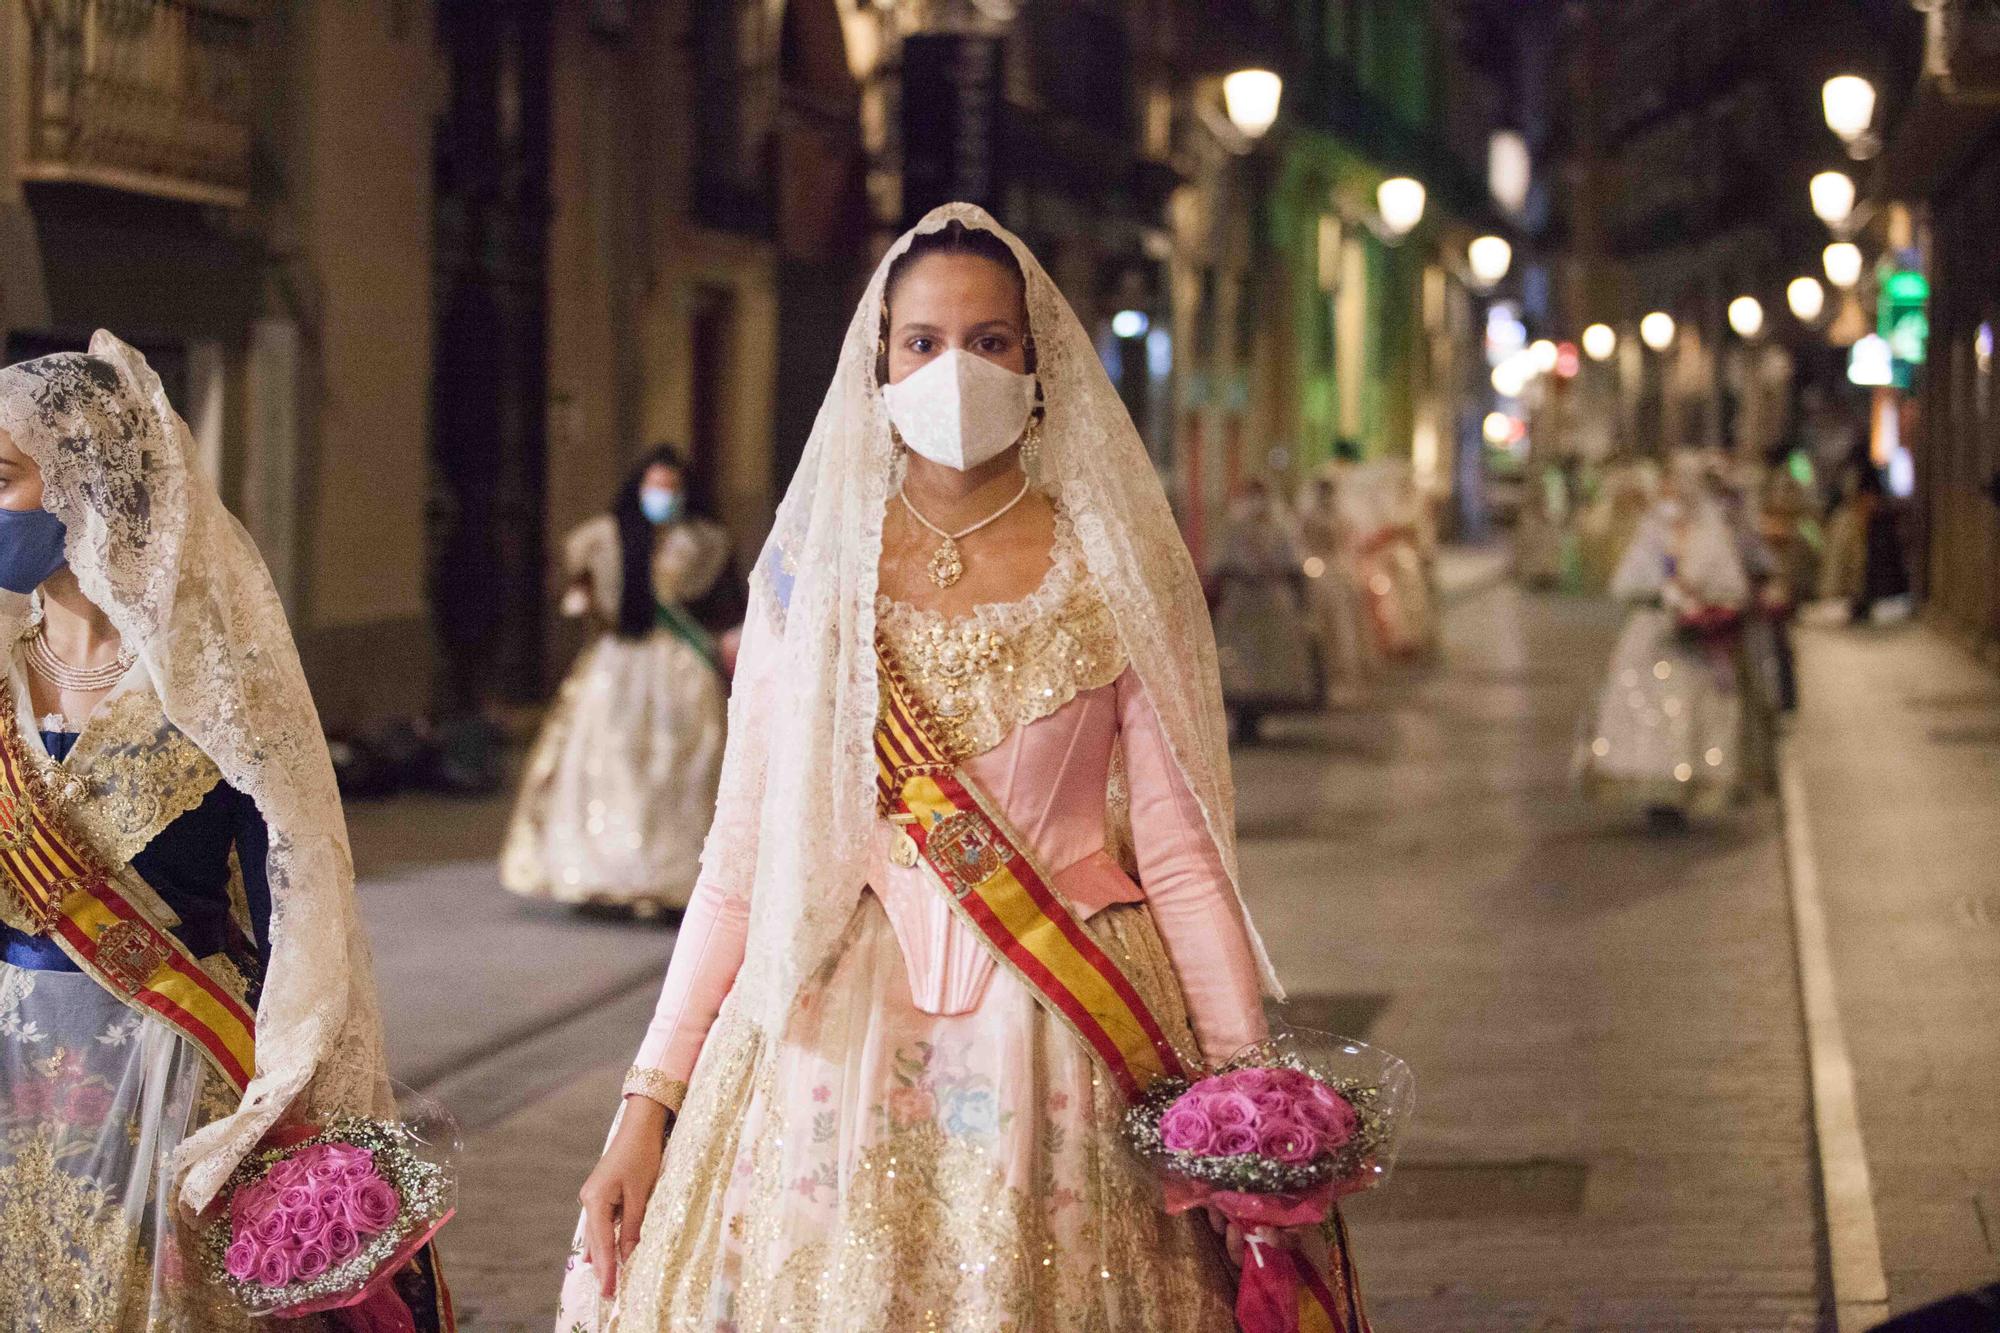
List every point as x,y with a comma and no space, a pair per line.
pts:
129,954
963,850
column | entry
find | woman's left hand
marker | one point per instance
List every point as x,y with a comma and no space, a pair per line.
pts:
1235,1242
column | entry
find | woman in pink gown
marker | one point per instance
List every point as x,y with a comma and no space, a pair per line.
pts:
871,1121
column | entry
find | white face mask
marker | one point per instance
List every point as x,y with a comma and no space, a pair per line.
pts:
961,410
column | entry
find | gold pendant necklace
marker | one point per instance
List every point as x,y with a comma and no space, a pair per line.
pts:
947,565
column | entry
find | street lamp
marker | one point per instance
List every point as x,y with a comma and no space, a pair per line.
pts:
1251,98
1490,257
1400,200
1657,330
1843,264
1599,342
1832,197
1849,103
1543,355
1746,316
1806,298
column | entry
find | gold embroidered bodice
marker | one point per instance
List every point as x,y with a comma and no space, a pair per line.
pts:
1005,664
130,774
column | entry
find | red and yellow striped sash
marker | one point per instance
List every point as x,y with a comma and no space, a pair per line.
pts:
996,886
67,891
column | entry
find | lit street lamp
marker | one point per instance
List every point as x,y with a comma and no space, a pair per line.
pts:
1599,342
1657,330
1849,102
1251,98
1832,197
1746,316
1489,257
1843,264
1400,200
1806,298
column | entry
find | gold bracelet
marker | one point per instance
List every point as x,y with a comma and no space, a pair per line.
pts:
654,1085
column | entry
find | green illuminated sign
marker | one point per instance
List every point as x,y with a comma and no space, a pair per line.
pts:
1901,319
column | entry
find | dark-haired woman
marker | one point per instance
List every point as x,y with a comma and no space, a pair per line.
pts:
873,1098
621,783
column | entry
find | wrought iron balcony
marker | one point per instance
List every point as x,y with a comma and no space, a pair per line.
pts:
151,96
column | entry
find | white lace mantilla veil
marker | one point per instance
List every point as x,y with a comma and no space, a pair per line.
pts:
153,546
797,801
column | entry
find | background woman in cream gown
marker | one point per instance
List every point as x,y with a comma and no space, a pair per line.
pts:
620,785
873,1126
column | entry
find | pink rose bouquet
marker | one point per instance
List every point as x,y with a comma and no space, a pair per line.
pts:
1272,1140
323,1219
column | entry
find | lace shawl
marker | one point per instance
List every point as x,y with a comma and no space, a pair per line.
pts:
797,803
153,547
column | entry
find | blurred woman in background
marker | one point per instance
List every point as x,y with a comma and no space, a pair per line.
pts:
620,785
1263,638
1665,735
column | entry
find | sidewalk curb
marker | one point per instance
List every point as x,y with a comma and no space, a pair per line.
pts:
1854,1245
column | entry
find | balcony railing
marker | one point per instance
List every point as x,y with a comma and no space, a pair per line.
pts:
150,96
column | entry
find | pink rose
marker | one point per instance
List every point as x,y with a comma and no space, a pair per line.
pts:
309,1219
1186,1127
1291,1142
241,1259
342,1241
377,1205
358,1170
253,1203
314,1259
1229,1107
275,1267
294,1197
287,1173
1274,1101
273,1228
341,1205
1252,1081
1233,1141
325,1170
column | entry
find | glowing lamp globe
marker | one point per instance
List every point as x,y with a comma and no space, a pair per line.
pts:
1806,298
1849,103
1489,258
1657,330
1251,97
1832,197
1843,264
1746,316
1400,200
1599,342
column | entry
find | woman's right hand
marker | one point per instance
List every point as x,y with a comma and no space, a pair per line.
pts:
614,1198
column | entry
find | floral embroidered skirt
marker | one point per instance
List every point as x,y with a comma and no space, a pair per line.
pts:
887,1169
94,1098
620,786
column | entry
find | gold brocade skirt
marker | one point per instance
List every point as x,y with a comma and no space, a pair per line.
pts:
887,1169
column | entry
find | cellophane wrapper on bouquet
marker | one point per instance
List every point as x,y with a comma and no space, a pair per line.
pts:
321,1218
1273,1139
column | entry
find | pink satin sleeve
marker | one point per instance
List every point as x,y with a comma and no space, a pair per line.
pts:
707,954
1189,893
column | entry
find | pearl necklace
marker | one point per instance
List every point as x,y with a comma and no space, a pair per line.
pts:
42,660
947,565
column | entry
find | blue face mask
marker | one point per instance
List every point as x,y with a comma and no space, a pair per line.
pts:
659,505
31,548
